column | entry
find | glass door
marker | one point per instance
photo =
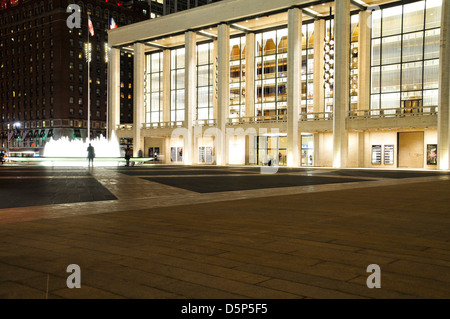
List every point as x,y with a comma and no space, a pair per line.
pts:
307,150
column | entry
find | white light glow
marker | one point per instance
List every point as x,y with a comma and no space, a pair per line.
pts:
78,148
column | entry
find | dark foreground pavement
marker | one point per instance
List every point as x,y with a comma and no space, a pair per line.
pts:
306,245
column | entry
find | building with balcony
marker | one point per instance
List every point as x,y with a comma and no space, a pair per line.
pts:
341,83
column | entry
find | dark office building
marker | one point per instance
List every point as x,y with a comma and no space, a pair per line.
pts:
44,71
164,7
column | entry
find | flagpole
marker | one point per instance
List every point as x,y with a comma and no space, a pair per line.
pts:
89,87
107,84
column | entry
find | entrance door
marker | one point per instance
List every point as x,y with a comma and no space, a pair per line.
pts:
271,148
307,150
410,150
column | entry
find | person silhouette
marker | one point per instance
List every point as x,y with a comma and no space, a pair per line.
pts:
128,155
91,154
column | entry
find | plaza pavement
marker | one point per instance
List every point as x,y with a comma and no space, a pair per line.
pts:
136,235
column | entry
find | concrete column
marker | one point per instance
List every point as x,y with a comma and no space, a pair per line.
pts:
113,90
223,90
166,86
444,88
294,85
250,74
316,149
319,91
138,97
341,81
190,94
361,148
364,60
247,150
166,150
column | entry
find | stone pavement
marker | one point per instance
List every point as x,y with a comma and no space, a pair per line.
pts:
159,241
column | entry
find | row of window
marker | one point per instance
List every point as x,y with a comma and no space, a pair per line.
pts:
26,116
28,12
404,58
405,55
15,39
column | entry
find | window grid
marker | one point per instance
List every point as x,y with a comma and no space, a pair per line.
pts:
307,103
177,87
153,87
237,77
204,110
422,93
354,56
271,73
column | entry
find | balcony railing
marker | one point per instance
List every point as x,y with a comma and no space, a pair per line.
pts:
170,124
210,122
257,119
394,112
316,116
125,126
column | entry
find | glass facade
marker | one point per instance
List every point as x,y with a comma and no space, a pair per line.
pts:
354,46
177,84
307,104
153,88
329,65
271,73
405,57
237,77
205,81
405,44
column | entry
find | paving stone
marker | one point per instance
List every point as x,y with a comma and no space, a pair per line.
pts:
86,292
14,290
306,290
159,241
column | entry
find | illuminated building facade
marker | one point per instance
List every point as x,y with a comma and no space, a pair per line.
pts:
293,82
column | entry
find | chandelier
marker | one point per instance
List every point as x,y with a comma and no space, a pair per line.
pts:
328,74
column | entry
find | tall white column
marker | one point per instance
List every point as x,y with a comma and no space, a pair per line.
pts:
166,86
319,91
250,74
364,37
113,90
223,91
294,85
444,88
190,95
138,97
341,81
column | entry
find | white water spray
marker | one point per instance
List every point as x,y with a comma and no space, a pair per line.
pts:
64,147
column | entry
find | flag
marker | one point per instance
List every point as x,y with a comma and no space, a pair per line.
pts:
112,24
91,26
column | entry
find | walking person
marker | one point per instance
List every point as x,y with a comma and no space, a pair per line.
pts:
128,155
91,155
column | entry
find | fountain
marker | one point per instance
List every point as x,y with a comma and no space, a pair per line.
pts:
64,147
67,152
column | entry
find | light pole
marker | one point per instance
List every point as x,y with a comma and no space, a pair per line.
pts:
88,52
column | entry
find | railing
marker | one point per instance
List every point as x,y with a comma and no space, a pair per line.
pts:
125,126
394,112
211,122
170,124
316,116
257,119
